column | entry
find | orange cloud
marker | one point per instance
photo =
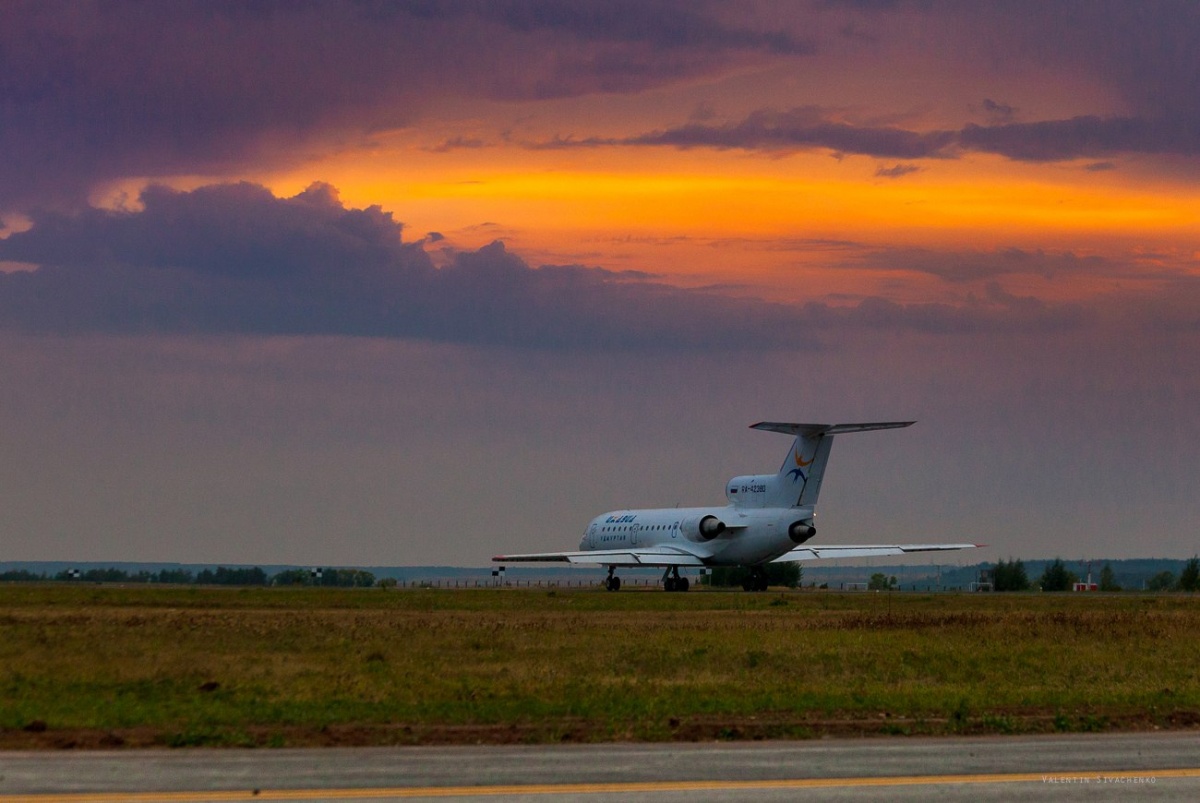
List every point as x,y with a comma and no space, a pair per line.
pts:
779,228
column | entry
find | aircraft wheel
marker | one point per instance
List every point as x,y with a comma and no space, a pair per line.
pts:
613,584
761,585
748,584
682,585
669,584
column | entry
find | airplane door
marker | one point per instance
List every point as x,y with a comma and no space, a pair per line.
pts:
591,533
634,529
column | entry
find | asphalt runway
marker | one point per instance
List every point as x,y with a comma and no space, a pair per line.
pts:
1096,767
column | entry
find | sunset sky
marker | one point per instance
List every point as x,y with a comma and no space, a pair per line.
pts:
373,283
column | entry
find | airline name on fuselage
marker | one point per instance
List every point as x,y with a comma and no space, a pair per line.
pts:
619,519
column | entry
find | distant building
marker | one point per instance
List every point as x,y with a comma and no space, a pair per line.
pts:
1086,585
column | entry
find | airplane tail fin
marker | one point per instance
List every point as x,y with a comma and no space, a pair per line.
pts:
804,467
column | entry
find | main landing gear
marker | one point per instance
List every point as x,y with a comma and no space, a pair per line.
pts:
672,581
756,580
612,582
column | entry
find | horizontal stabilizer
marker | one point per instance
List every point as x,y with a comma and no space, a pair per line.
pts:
826,429
864,551
803,470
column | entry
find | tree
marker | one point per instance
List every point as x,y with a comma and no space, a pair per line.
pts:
110,575
291,577
1163,581
1108,579
1010,576
1057,577
778,574
881,582
323,577
356,578
20,576
175,576
1189,578
232,577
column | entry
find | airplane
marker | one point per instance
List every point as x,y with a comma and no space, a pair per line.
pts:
769,519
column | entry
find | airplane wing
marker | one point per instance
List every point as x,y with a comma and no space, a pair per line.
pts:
661,555
864,551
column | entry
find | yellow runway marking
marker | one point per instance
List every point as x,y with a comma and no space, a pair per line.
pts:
1073,778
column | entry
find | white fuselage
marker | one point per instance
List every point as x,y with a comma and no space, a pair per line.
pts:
749,531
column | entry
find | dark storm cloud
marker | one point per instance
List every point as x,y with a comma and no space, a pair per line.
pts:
796,129
1146,55
1149,53
98,91
93,91
660,24
237,230
808,128
234,258
1082,137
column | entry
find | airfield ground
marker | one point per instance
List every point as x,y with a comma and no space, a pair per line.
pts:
102,666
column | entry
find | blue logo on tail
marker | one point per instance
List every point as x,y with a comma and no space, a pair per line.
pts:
797,473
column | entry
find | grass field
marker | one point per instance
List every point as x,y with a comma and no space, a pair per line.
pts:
107,666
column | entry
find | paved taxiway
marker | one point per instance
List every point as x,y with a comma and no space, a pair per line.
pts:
1157,766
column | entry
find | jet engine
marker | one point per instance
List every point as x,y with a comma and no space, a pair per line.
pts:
801,531
702,528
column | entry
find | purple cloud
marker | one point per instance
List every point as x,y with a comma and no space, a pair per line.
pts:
896,171
666,25
998,113
234,258
808,128
797,129
1082,137
91,93
95,92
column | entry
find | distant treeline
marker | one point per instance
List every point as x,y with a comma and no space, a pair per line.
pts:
1010,575
221,576
778,574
